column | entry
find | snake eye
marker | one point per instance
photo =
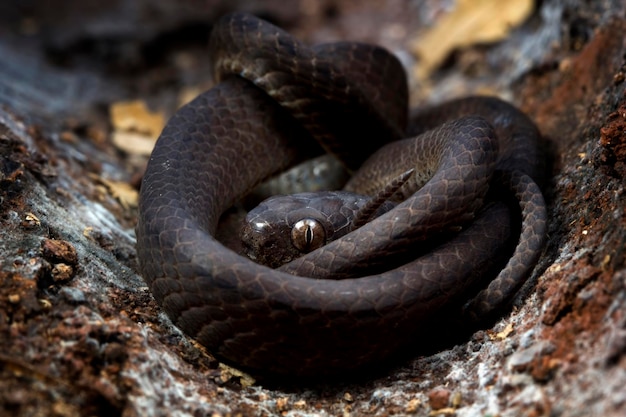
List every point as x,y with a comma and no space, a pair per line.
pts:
308,235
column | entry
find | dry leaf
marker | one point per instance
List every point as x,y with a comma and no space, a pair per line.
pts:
133,143
504,333
123,192
135,126
472,21
228,372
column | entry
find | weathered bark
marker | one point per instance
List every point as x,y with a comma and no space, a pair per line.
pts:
81,335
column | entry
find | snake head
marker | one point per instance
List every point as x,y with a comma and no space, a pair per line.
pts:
284,227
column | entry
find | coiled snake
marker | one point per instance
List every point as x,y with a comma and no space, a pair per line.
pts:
275,94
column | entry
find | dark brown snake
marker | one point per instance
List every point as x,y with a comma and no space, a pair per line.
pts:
352,98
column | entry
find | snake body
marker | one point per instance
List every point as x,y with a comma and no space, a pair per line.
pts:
276,100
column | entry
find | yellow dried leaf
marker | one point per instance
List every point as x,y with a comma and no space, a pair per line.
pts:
123,192
133,143
472,21
136,116
504,333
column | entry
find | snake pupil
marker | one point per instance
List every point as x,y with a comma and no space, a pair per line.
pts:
308,235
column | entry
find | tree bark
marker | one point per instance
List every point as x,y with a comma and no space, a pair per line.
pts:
80,333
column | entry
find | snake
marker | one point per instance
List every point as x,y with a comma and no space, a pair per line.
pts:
276,102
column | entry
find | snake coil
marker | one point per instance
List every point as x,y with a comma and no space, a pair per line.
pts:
276,100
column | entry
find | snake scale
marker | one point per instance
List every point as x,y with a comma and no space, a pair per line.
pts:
276,101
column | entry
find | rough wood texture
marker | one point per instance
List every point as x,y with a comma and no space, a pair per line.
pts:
80,334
